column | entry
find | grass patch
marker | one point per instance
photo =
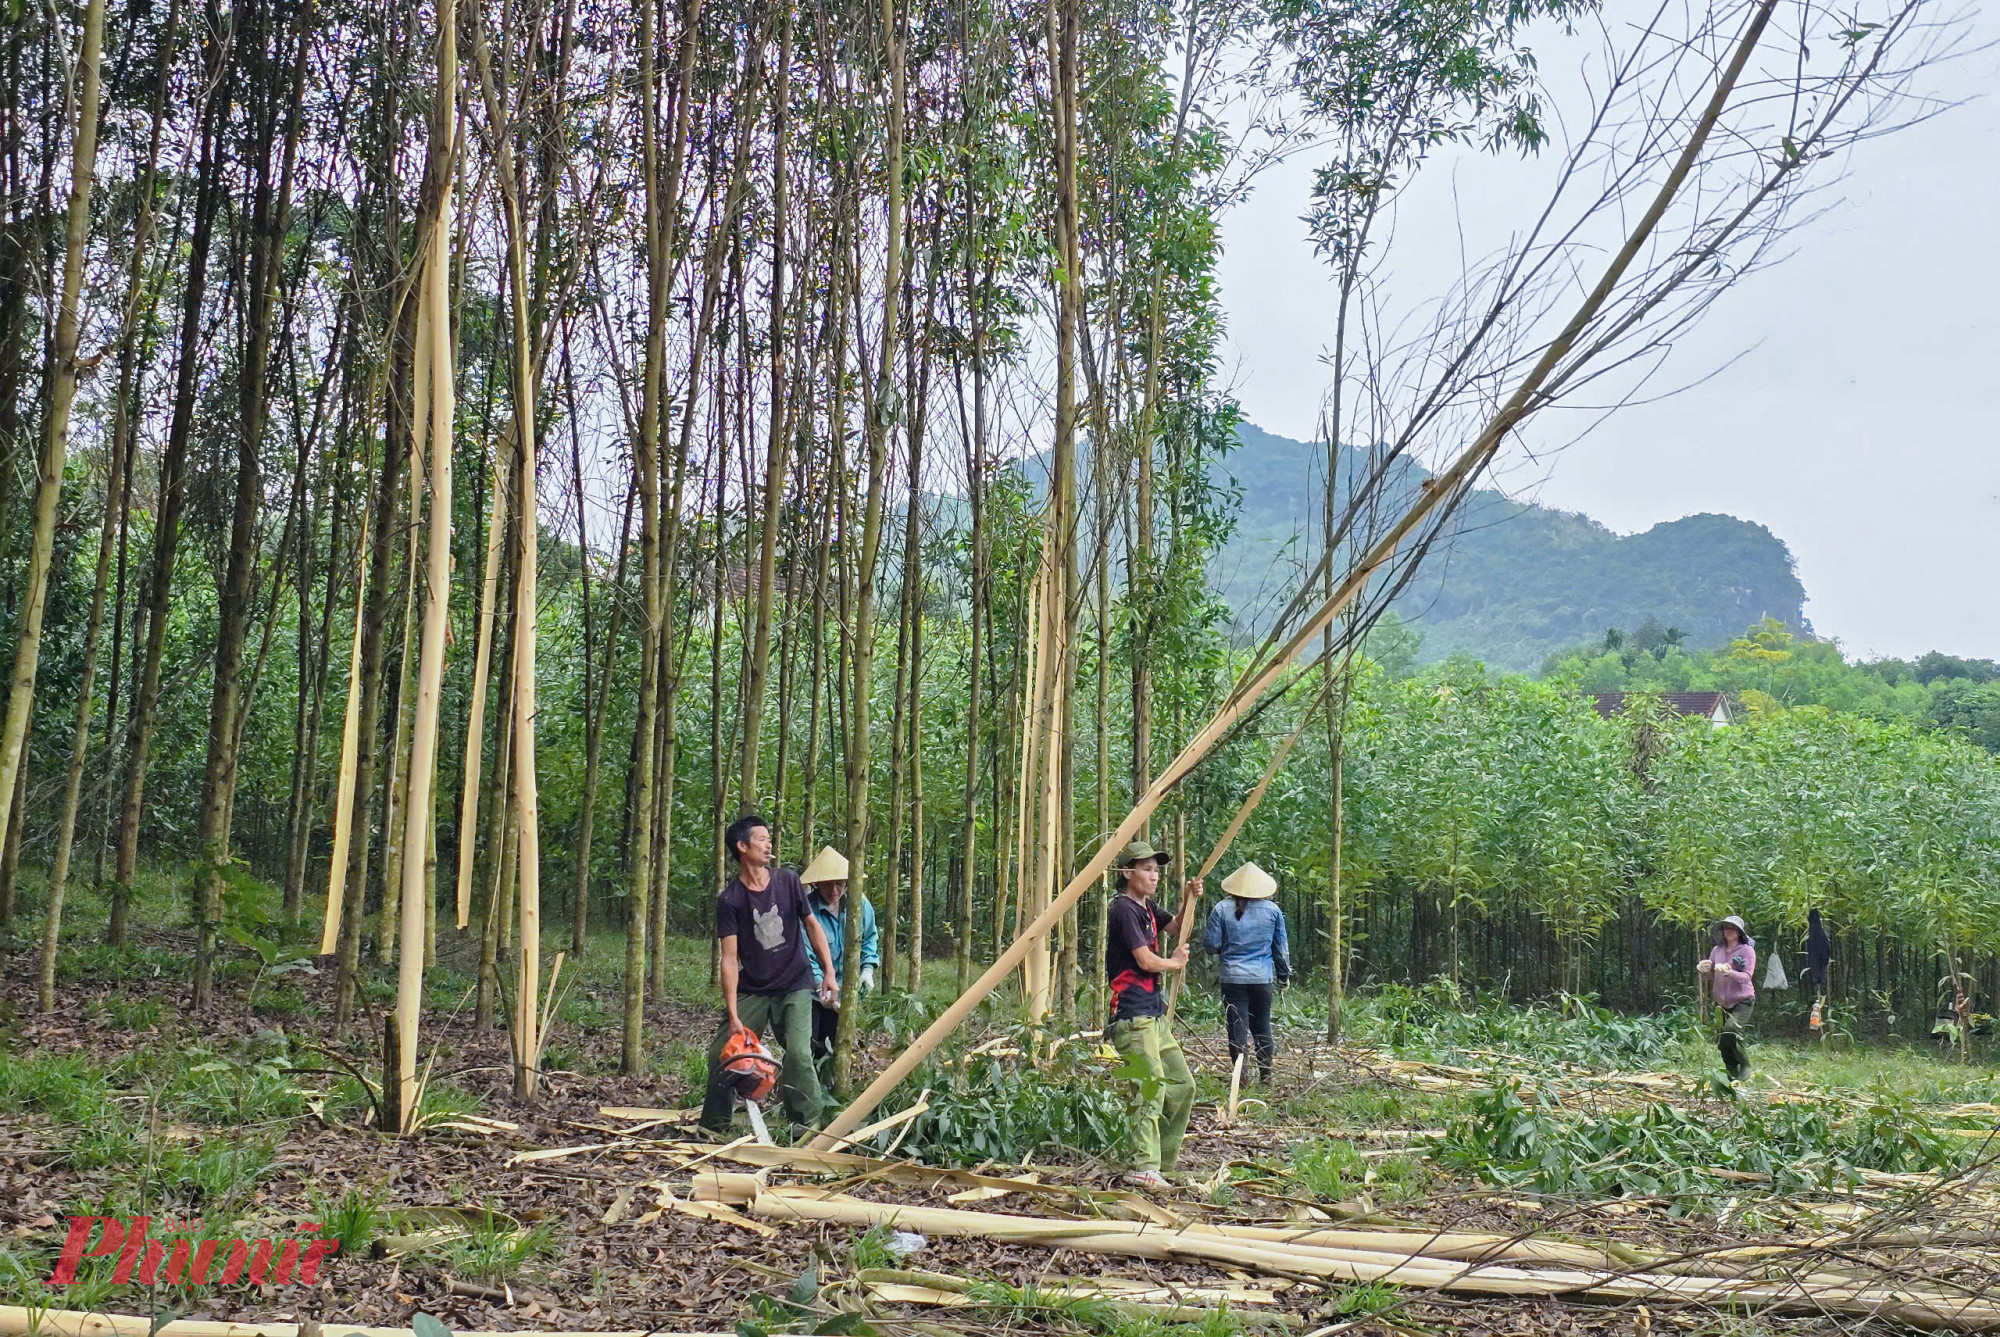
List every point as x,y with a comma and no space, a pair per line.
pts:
1334,1171
355,1218
231,1091
497,1250
68,1088
213,1175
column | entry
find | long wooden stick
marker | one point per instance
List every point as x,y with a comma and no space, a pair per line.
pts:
1449,484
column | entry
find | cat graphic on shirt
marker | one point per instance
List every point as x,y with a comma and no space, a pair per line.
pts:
769,926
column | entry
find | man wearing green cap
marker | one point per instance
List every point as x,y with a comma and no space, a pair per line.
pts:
1138,1023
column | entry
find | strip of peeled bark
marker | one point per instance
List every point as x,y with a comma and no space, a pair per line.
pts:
475,728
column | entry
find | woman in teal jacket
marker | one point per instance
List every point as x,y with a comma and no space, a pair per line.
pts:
826,875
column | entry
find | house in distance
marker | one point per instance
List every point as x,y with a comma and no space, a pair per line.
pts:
1712,706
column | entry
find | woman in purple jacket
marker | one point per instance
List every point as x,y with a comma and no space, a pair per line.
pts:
1731,968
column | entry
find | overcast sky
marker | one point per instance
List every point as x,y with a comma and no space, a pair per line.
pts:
1858,423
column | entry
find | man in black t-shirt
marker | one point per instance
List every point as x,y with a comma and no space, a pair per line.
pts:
765,927
1137,1027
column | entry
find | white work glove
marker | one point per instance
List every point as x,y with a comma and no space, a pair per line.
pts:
867,977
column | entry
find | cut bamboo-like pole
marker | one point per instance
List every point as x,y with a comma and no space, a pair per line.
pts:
1820,1294
1459,475
435,354
18,1321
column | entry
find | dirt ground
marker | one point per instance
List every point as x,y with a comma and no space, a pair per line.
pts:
647,1269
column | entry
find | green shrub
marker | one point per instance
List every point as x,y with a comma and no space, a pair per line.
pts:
1007,1109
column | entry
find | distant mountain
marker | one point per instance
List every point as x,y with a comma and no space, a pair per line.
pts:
1517,581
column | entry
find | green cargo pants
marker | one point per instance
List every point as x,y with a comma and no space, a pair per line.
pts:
1159,1121
784,1023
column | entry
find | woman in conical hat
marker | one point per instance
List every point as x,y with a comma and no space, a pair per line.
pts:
1247,932
1731,968
826,883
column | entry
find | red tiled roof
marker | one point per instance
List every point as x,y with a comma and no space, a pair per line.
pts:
1681,703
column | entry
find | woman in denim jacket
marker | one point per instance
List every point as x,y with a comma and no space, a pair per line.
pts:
1247,932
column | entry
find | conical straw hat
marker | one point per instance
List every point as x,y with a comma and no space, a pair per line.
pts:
1251,883
829,865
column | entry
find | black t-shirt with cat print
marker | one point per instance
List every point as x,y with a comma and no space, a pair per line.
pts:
770,933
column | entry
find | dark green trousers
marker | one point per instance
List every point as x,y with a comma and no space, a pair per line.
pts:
784,1023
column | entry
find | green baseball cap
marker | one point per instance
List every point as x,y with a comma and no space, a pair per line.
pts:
1139,851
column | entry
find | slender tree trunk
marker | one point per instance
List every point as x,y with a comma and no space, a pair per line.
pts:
898,760
883,412
172,484
776,448
1336,974
632,1049
269,221
375,611
500,860
914,975
48,483
395,813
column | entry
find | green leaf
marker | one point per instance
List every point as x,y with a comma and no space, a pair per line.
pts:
806,1288
845,1325
423,1325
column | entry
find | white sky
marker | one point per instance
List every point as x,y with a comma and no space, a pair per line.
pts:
1859,423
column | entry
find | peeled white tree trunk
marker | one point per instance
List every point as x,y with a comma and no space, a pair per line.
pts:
434,356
